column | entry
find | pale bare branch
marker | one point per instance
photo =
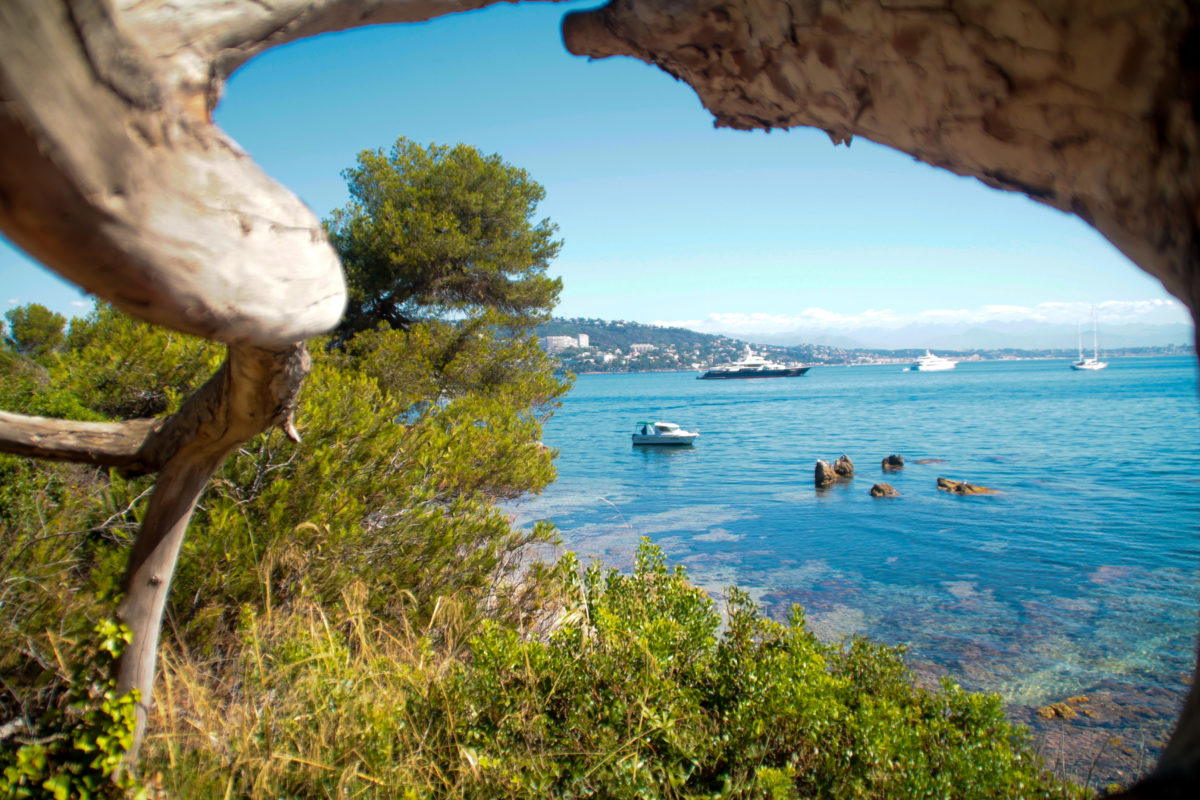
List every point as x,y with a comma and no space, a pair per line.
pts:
199,44
108,444
255,389
109,178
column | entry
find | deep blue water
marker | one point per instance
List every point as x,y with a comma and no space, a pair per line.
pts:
1082,575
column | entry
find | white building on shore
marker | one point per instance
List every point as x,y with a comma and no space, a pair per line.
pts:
556,344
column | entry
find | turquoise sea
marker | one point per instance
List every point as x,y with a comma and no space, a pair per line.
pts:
1080,578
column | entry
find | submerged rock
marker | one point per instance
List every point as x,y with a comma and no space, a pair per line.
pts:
962,487
894,461
931,461
823,475
884,490
844,467
1065,709
1057,710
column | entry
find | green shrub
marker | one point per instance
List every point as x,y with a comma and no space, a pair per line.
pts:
75,748
391,486
641,691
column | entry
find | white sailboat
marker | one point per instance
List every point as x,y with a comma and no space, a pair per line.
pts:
1094,362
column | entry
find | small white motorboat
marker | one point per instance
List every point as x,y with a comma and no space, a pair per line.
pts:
667,433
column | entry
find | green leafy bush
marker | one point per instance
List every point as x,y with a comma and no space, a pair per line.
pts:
75,749
642,690
393,484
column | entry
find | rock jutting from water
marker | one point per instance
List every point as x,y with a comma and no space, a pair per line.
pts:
884,490
894,461
823,474
1065,709
844,467
962,487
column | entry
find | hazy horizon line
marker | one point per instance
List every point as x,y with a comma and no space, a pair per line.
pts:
1113,312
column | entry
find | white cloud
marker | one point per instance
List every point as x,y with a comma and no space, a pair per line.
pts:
81,303
1011,312
1130,311
771,323
1151,312
939,315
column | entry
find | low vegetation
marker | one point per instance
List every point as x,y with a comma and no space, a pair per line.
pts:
636,692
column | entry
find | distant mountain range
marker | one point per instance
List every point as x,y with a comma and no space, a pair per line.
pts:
997,335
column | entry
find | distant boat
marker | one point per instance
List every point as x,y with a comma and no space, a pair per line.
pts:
931,363
660,433
753,366
1094,362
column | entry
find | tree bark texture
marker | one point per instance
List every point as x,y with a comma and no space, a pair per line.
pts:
107,444
255,389
112,174
108,178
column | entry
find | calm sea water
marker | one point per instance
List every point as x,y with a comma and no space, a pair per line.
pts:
1080,577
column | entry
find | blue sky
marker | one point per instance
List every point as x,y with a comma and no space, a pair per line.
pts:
664,218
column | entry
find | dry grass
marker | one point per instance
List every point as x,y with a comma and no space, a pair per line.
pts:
309,705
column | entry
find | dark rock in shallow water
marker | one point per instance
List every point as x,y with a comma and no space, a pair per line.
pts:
844,467
823,475
893,461
962,487
1067,709
1057,710
884,490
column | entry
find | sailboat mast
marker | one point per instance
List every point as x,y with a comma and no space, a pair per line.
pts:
1095,339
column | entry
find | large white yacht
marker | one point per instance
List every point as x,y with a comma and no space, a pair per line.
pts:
752,365
931,363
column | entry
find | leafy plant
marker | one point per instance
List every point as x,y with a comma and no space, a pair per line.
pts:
76,748
642,689
35,330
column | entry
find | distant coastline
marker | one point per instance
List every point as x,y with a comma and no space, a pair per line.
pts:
592,346
1067,357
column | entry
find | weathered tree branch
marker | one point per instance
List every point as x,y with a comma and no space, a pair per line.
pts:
106,444
147,205
255,389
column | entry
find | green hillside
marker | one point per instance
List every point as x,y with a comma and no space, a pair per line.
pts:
611,347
